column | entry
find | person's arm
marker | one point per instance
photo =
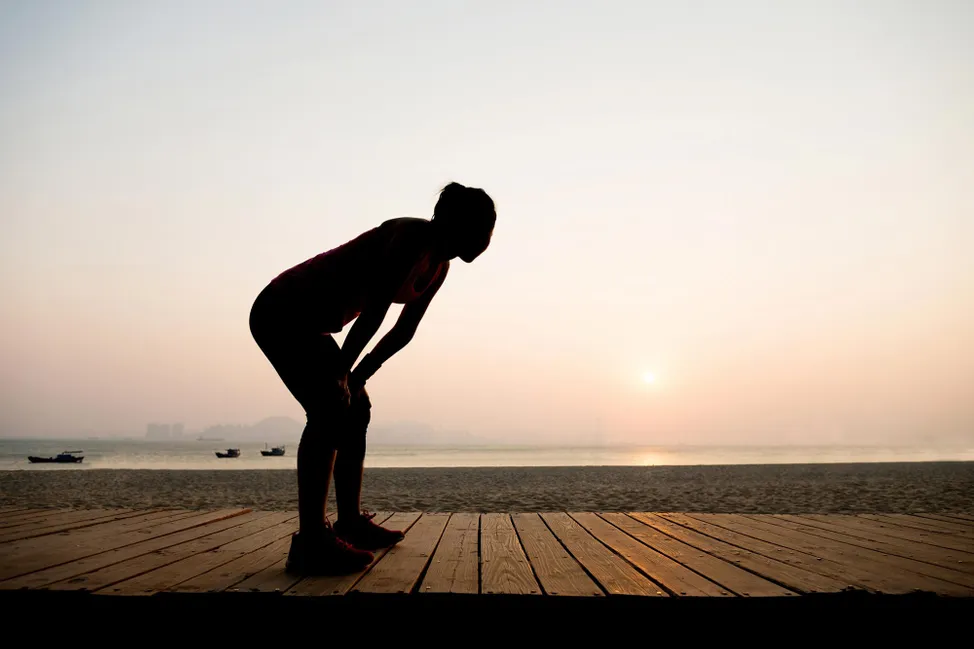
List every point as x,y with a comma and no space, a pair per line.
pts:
367,323
400,255
397,337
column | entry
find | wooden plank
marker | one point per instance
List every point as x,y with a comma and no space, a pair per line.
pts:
64,522
158,519
99,571
960,516
103,579
922,524
196,561
31,515
790,576
864,568
37,562
455,565
13,511
341,584
788,546
556,570
946,518
401,567
616,576
230,575
52,517
879,542
9,509
271,579
863,526
26,528
729,576
672,575
505,568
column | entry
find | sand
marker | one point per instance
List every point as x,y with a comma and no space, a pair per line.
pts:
819,488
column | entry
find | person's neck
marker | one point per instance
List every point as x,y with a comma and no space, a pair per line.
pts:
438,250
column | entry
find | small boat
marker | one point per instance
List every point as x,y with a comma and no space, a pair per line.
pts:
276,451
231,452
67,457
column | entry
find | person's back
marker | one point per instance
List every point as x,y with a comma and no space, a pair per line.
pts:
330,290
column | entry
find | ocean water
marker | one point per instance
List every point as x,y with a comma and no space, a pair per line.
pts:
192,454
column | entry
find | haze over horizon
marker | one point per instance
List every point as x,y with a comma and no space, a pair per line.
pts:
718,222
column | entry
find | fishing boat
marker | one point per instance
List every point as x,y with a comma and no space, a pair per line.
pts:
276,451
66,457
230,452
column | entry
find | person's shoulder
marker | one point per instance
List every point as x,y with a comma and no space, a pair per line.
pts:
405,230
406,224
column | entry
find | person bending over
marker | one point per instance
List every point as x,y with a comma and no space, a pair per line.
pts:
403,261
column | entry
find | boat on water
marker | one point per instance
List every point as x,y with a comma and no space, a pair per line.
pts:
230,452
276,451
66,457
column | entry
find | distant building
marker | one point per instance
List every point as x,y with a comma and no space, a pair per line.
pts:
176,431
157,431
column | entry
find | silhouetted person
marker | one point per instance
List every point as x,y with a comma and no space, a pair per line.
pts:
403,260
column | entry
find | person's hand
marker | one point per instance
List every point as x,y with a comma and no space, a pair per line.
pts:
360,409
358,393
343,391
355,383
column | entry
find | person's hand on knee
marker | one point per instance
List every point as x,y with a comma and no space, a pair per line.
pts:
360,408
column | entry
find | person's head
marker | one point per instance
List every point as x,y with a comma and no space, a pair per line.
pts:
465,217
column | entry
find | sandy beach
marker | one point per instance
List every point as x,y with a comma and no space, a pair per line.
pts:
819,488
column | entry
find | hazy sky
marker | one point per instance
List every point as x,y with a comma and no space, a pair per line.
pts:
767,205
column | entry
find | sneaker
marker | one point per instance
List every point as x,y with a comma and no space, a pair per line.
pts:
325,554
362,533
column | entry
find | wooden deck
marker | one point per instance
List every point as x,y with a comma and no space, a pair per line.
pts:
650,558
125,552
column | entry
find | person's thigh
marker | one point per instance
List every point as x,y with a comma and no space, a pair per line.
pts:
308,366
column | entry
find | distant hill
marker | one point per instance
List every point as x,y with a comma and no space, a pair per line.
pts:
281,430
273,430
410,433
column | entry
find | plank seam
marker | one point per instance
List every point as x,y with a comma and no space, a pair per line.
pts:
634,566
480,554
134,542
672,558
156,551
896,523
527,556
811,523
736,565
82,524
580,564
166,565
429,559
960,521
232,559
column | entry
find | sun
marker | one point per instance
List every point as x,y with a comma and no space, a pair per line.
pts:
649,378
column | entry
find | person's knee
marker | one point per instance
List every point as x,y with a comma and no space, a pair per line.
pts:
359,413
324,425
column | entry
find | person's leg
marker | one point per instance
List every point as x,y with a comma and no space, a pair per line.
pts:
351,458
316,457
354,526
305,363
